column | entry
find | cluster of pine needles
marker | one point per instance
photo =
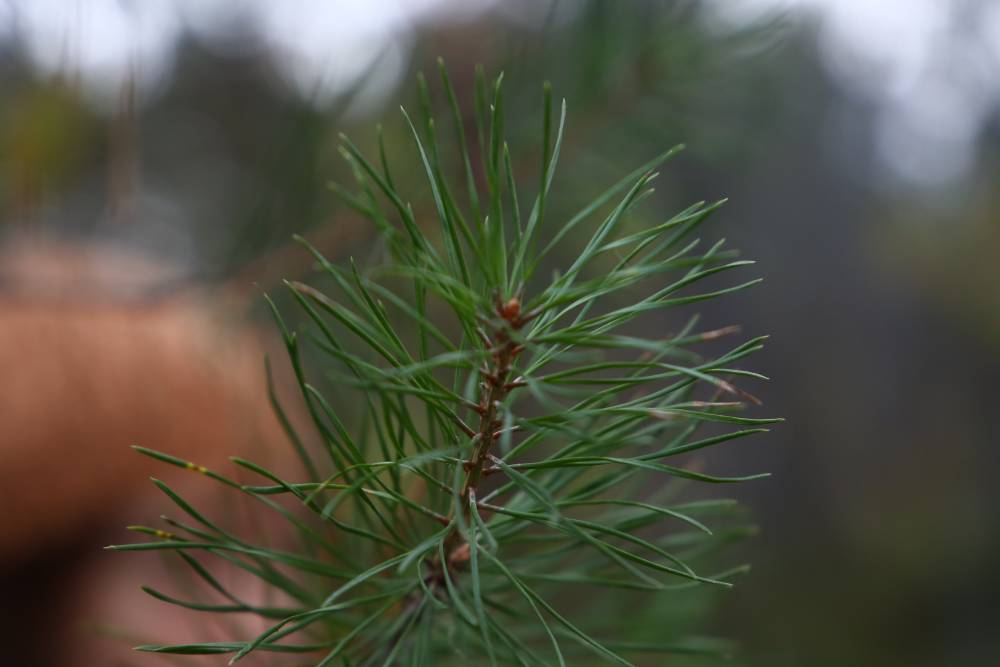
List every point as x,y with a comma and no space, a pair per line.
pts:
504,486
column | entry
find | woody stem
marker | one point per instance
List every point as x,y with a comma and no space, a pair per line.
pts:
494,390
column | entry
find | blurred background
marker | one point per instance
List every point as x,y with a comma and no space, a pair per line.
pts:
157,156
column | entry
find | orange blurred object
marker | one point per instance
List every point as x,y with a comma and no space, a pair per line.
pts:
94,357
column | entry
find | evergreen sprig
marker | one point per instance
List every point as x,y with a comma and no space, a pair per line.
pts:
516,445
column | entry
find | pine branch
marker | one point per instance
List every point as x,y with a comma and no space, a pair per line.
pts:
398,550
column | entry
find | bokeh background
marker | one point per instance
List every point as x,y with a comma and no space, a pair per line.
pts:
157,156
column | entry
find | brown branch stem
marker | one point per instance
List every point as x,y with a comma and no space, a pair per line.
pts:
494,389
